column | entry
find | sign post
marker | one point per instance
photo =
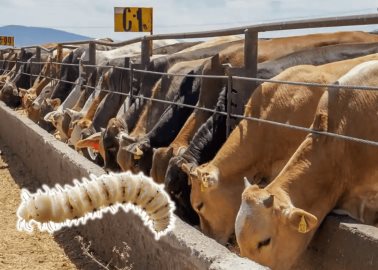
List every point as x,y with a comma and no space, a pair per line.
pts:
7,41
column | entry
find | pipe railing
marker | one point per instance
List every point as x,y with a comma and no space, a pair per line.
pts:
250,48
228,113
250,32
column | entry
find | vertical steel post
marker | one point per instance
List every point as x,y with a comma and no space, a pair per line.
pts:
22,53
31,72
229,101
51,72
38,59
92,61
131,78
146,46
250,53
59,56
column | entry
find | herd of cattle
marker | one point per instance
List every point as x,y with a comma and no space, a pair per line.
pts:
269,186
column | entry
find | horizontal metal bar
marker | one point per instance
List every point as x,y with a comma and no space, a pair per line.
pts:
262,27
330,86
38,46
180,74
264,121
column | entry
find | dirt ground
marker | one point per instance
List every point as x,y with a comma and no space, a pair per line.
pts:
21,250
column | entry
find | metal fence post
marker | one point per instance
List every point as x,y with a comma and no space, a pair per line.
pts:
131,78
31,72
146,46
59,56
38,59
229,102
250,53
51,71
92,61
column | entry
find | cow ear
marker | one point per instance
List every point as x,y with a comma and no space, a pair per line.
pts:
208,180
188,169
215,62
90,142
180,151
126,137
55,102
247,184
15,91
22,92
170,151
70,112
49,117
302,221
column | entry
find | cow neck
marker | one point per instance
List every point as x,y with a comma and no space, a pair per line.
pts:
91,98
311,180
235,146
71,99
186,133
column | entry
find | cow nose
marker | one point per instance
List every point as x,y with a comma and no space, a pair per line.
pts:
35,106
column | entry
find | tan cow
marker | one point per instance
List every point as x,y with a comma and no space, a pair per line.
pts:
275,224
277,47
267,50
259,151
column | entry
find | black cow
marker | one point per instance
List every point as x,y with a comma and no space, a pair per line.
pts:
169,124
9,92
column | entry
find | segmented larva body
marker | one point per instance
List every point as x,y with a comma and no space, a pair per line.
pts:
59,207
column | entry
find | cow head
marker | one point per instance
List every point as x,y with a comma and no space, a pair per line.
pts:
136,157
9,94
270,230
160,162
78,125
45,93
214,200
109,141
176,183
93,141
45,109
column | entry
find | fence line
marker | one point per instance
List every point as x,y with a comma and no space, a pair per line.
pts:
228,114
331,86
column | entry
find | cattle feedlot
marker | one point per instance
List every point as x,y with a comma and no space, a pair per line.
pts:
267,149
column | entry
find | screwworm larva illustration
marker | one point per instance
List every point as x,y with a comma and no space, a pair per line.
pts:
59,207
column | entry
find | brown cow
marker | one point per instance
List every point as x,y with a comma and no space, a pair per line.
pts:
251,150
267,50
275,224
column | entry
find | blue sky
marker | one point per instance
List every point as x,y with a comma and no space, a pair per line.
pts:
95,17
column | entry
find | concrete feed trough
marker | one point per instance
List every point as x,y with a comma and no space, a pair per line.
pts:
339,244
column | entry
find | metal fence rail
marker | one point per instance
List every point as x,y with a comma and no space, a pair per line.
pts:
250,33
228,113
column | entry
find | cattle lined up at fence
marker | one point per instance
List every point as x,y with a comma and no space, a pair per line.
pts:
111,113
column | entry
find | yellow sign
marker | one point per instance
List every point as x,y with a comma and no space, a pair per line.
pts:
132,19
6,41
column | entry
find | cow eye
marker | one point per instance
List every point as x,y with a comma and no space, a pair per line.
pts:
263,243
199,206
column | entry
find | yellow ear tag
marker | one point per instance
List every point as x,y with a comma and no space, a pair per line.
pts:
204,185
302,227
136,157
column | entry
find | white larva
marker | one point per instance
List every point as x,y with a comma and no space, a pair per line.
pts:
66,206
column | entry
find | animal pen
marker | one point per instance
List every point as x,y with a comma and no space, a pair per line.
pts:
193,253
